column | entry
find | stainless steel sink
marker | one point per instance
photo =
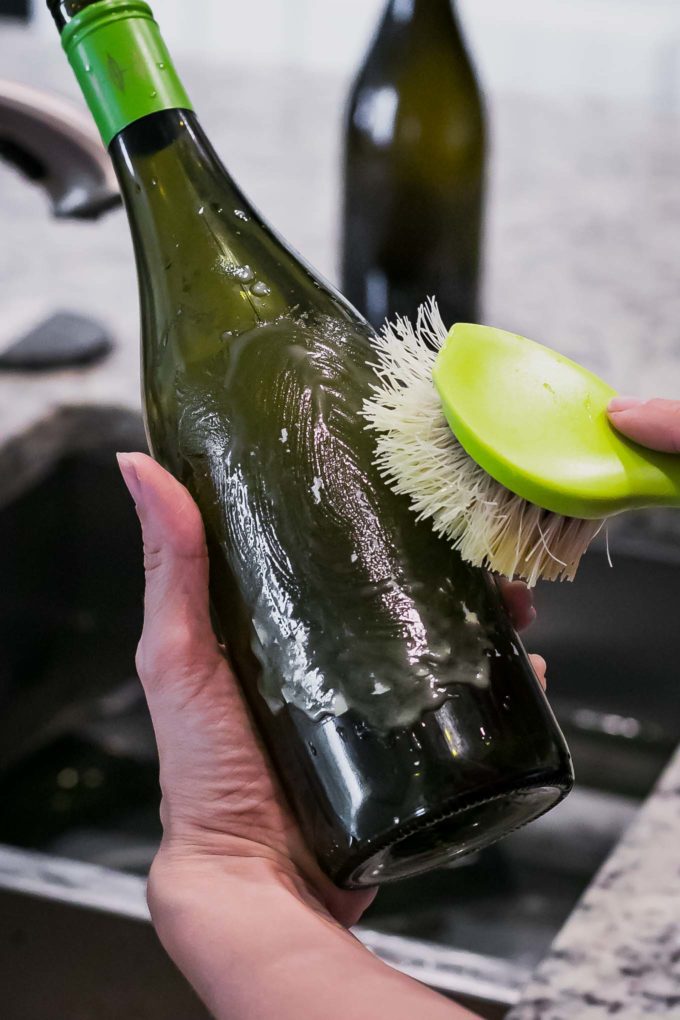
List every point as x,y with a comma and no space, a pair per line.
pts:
71,876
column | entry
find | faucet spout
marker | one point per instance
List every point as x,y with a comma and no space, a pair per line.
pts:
53,144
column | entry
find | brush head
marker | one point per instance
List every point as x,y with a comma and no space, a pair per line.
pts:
420,457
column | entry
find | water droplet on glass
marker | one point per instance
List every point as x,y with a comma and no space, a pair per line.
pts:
260,289
154,182
153,94
244,274
313,750
201,210
241,215
88,68
161,65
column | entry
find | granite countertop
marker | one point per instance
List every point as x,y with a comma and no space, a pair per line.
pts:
583,251
619,953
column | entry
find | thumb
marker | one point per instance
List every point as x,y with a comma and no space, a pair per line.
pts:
654,423
178,642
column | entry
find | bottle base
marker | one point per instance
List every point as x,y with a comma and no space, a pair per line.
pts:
421,846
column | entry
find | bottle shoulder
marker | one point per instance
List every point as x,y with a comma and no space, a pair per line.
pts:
422,108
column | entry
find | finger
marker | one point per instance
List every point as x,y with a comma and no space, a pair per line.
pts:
178,638
540,668
654,423
519,603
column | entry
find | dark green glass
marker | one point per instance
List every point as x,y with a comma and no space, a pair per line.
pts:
414,169
396,700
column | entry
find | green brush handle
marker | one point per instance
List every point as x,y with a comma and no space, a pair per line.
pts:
537,423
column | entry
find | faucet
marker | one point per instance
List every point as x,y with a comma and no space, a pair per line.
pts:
53,144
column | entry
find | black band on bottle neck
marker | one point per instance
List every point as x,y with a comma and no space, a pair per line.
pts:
64,11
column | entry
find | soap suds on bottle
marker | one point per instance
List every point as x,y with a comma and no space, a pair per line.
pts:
340,705
244,274
387,683
470,617
316,489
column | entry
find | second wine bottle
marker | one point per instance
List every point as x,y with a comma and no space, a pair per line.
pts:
414,169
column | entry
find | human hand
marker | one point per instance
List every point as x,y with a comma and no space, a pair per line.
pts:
230,841
652,423
221,798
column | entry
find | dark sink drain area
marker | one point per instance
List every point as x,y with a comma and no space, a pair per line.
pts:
78,777
78,768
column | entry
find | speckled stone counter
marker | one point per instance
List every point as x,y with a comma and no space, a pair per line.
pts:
583,252
619,953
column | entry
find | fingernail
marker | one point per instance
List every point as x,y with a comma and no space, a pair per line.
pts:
130,476
623,403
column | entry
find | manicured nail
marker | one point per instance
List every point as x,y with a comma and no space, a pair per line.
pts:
623,404
130,476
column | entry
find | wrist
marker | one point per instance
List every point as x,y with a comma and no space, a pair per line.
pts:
227,924
253,947
183,882
194,872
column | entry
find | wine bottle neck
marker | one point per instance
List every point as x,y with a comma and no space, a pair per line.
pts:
120,60
421,13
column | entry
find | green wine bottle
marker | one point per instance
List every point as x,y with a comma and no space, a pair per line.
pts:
397,702
414,169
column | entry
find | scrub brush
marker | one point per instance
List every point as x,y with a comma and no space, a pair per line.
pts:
505,445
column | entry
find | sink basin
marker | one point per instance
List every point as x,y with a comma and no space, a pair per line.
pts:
71,594
78,772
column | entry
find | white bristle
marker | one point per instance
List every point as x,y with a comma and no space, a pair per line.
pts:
420,457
